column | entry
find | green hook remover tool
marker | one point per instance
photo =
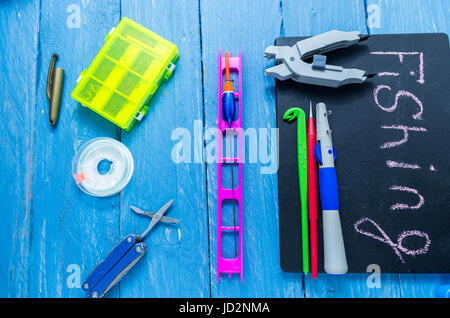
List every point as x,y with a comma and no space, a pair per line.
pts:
290,115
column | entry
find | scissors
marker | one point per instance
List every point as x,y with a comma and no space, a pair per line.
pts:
123,256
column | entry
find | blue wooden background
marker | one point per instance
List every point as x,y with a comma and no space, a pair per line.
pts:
49,228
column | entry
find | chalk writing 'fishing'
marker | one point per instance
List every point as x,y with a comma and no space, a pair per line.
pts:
417,114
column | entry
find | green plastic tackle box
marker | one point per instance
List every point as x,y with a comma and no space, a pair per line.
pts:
126,73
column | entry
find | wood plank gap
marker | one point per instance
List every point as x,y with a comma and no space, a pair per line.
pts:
30,140
204,145
366,15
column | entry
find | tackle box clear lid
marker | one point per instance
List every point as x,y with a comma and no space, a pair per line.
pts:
126,73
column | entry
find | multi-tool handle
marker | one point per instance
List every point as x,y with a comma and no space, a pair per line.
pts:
111,259
119,270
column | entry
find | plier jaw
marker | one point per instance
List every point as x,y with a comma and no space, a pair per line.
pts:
280,71
276,52
292,65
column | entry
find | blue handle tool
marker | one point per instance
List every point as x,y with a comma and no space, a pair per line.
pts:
122,257
335,260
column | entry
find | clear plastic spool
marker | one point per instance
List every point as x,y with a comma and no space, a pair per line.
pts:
102,167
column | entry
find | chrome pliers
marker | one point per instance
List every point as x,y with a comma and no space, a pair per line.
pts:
123,257
318,73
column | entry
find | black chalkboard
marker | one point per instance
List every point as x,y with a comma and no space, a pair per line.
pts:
383,181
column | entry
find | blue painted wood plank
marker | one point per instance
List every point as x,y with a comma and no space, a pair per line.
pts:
17,80
69,228
51,224
177,264
311,18
413,17
408,16
252,26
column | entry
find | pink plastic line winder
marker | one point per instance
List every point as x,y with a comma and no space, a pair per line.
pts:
227,265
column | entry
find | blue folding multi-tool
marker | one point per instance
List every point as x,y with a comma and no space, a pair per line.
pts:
123,257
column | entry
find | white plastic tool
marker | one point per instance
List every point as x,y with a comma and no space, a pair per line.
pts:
335,259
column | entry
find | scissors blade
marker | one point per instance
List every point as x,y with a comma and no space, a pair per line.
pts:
164,219
156,218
